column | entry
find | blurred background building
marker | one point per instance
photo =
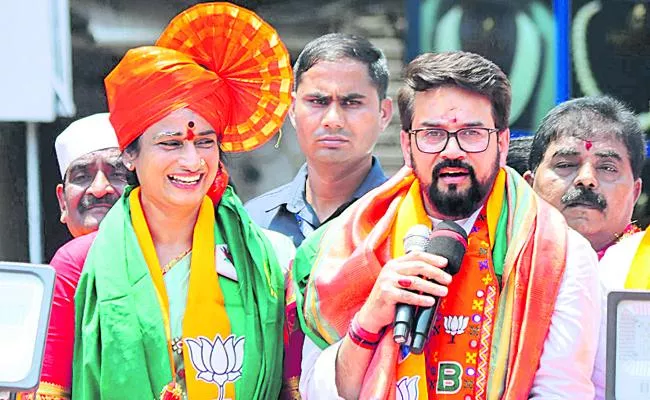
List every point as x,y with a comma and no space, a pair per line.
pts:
551,50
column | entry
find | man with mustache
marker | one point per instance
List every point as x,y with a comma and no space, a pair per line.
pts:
519,320
339,109
92,172
93,180
586,160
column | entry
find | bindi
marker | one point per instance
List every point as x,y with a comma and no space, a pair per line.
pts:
190,130
588,145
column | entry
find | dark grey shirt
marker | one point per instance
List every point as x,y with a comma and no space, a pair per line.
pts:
285,209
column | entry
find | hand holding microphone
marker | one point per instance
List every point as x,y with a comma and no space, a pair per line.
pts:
448,240
413,278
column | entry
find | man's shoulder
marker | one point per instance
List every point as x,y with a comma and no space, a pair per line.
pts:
70,258
268,201
626,246
615,264
576,241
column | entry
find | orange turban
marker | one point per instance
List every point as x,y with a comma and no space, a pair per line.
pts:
217,59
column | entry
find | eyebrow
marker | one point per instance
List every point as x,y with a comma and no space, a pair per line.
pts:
174,134
349,96
438,124
353,96
317,95
600,154
80,166
609,154
564,152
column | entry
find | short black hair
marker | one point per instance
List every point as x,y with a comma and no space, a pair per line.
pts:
338,46
457,69
518,153
585,117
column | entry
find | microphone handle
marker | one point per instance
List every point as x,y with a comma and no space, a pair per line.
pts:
403,319
424,319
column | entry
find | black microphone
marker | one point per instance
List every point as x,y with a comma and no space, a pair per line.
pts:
416,238
447,240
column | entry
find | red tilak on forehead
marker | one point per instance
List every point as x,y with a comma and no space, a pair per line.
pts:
190,131
588,144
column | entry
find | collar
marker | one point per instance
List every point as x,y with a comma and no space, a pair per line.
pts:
467,224
629,230
295,196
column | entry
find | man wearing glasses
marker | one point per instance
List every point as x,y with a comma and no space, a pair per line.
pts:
519,320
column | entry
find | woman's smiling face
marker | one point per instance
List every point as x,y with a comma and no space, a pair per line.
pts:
178,159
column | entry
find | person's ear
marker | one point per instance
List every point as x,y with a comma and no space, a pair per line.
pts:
503,141
292,110
638,188
405,143
529,177
129,161
62,206
386,107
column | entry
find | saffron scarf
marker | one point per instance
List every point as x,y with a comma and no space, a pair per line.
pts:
122,347
336,268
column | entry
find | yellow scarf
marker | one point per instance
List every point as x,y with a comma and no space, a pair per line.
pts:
204,293
639,275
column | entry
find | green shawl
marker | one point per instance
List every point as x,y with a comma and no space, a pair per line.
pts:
120,344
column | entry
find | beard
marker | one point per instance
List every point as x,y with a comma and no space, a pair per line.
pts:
454,203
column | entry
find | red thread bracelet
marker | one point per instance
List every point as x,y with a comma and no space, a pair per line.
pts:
362,337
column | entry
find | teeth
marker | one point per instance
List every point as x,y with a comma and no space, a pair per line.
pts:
185,179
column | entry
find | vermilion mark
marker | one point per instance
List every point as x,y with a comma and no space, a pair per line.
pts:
190,131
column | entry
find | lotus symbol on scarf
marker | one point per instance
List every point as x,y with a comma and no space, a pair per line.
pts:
455,325
219,361
407,388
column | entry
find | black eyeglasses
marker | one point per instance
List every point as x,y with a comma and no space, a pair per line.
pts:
470,140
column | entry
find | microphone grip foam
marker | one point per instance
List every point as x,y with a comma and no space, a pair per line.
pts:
448,240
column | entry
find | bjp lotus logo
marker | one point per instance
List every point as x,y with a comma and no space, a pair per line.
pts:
455,325
219,361
407,388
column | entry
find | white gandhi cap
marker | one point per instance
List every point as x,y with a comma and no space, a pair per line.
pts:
84,136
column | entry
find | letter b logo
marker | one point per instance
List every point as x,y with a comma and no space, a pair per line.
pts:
449,377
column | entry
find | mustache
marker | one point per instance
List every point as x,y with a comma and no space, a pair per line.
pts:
451,163
584,196
90,201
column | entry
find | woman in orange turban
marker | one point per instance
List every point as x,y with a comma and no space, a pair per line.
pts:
181,295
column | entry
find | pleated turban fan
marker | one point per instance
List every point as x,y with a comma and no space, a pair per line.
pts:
217,59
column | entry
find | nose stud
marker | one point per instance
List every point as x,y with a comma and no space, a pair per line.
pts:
202,162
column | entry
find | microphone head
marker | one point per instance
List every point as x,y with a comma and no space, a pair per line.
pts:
452,226
449,240
416,238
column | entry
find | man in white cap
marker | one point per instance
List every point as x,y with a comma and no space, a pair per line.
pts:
92,173
93,178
